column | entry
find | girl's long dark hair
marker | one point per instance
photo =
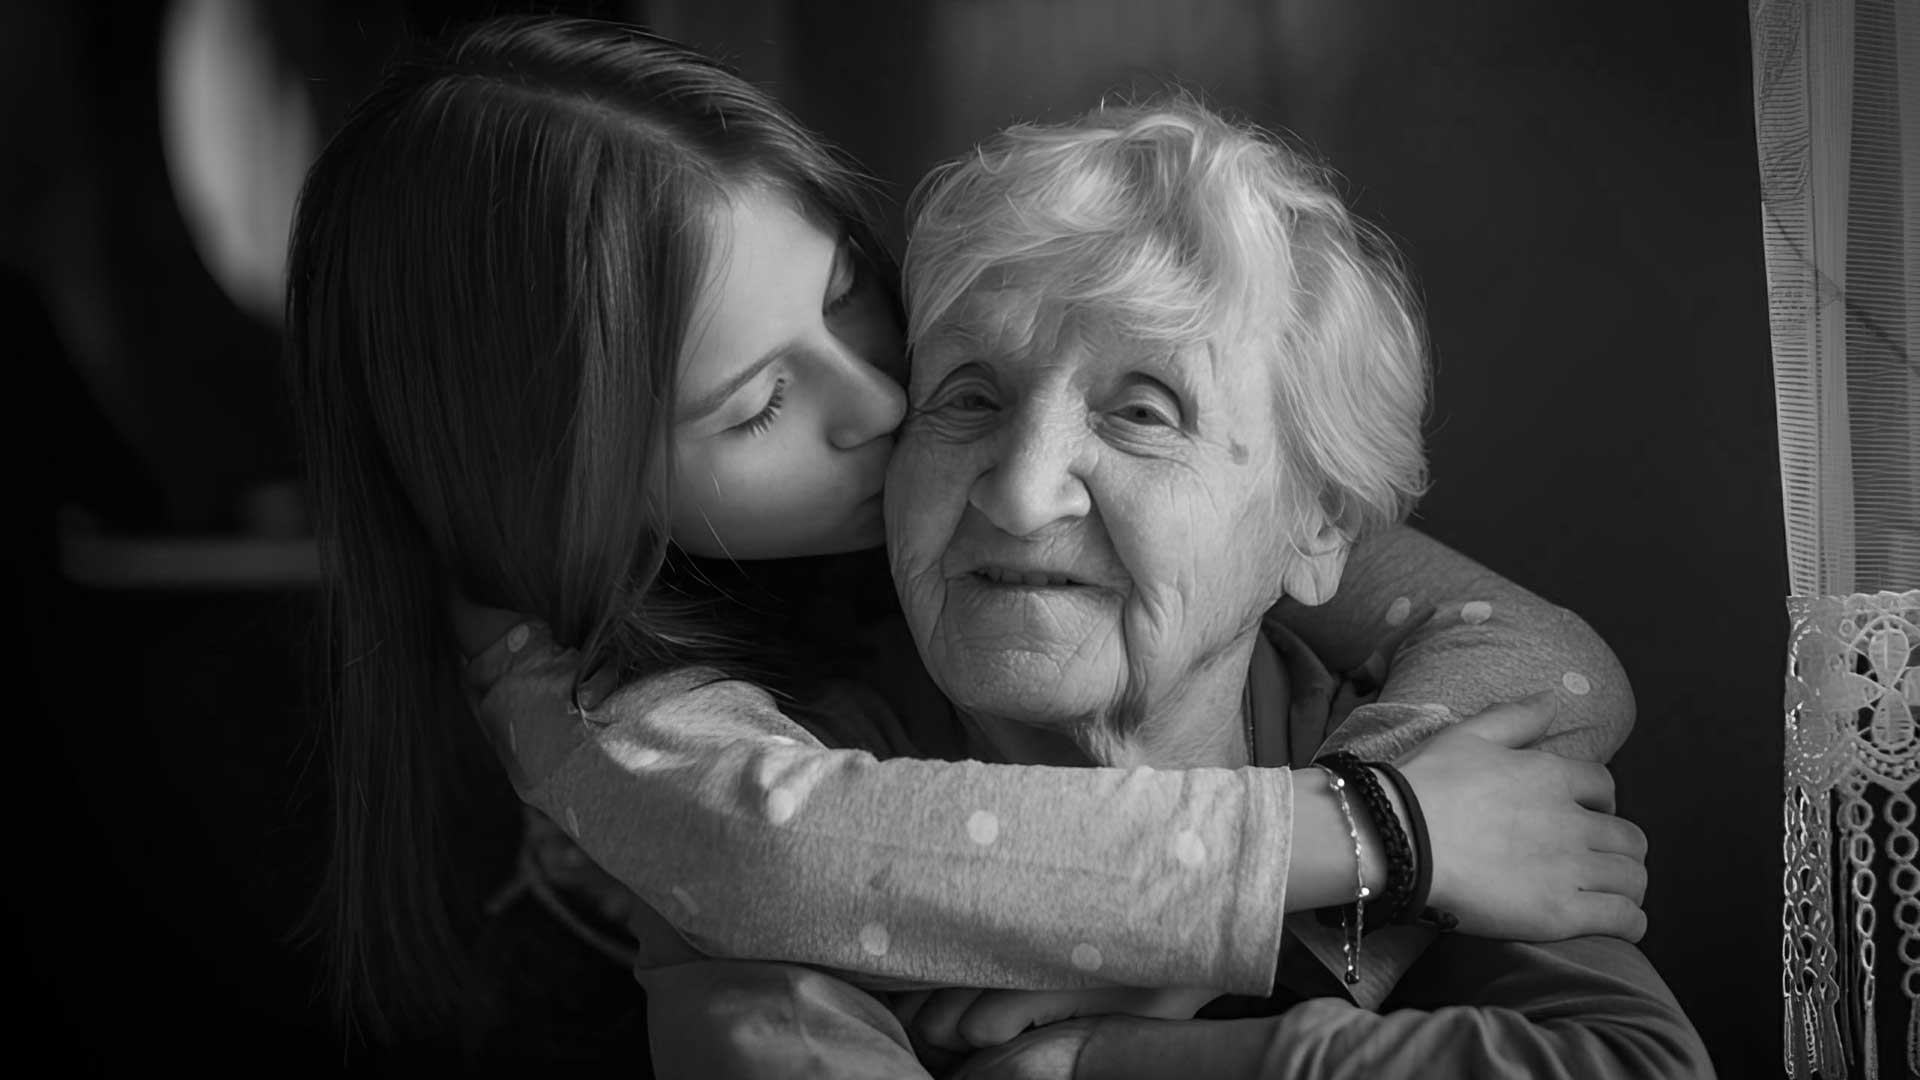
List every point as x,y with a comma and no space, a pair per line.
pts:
491,273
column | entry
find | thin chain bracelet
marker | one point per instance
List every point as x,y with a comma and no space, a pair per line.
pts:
1355,915
1402,871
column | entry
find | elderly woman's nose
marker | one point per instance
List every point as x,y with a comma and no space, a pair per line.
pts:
1033,479
868,403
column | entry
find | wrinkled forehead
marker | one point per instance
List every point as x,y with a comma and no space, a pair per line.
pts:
1027,308
1000,313
1020,315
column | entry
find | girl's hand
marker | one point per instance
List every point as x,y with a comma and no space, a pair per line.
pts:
1525,843
960,1018
522,685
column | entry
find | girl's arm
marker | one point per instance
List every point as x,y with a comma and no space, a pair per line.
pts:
705,800
1432,627
756,842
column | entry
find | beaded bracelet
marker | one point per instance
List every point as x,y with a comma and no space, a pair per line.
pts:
1417,910
1355,915
1402,873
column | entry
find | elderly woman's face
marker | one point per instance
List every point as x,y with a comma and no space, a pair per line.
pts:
1078,522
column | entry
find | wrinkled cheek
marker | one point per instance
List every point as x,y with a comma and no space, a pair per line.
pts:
923,503
907,488
1153,625
1171,631
1107,662
908,468
923,599
913,554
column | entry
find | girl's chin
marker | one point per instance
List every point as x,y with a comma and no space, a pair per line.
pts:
863,530
867,529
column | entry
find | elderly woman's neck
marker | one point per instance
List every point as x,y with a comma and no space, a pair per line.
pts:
1200,721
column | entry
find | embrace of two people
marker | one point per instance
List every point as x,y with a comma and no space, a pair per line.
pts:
603,372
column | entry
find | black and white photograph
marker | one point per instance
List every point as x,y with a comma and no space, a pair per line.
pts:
974,539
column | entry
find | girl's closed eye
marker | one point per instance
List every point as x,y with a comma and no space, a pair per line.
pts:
763,419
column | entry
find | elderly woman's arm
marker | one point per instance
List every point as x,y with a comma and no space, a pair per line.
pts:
1583,1009
1446,631
1588,1008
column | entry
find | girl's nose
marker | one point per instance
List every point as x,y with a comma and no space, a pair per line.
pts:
871,404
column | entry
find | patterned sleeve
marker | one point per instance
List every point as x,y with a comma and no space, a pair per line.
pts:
756,841
1442,637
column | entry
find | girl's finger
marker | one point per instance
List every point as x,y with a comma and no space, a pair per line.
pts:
1515,724
1591,785
1617,835
1609,873
1611,914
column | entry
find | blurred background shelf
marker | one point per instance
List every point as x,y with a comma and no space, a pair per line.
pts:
99,560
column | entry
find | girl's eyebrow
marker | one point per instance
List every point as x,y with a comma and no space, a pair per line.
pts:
712,400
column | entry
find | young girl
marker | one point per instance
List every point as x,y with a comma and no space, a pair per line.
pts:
571,309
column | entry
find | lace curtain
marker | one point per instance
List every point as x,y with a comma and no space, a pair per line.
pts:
1837,111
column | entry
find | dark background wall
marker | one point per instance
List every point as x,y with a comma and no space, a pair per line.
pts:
1574,184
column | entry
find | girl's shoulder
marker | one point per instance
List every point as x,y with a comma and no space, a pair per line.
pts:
527,660
521,689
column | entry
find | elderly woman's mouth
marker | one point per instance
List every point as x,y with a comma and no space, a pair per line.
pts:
1032,579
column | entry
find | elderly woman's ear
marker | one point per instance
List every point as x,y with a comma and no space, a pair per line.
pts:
1313,566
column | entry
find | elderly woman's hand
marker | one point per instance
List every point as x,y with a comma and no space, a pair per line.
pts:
1048,1053
1525,843
963,1018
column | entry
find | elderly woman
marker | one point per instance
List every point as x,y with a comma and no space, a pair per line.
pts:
1153,353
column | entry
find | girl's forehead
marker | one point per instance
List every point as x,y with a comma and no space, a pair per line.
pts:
767,264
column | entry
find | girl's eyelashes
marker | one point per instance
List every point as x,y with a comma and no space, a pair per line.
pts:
848,278
763,419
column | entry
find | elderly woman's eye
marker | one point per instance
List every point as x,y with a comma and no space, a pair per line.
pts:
965,391
1148,410
965,406
1144,415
